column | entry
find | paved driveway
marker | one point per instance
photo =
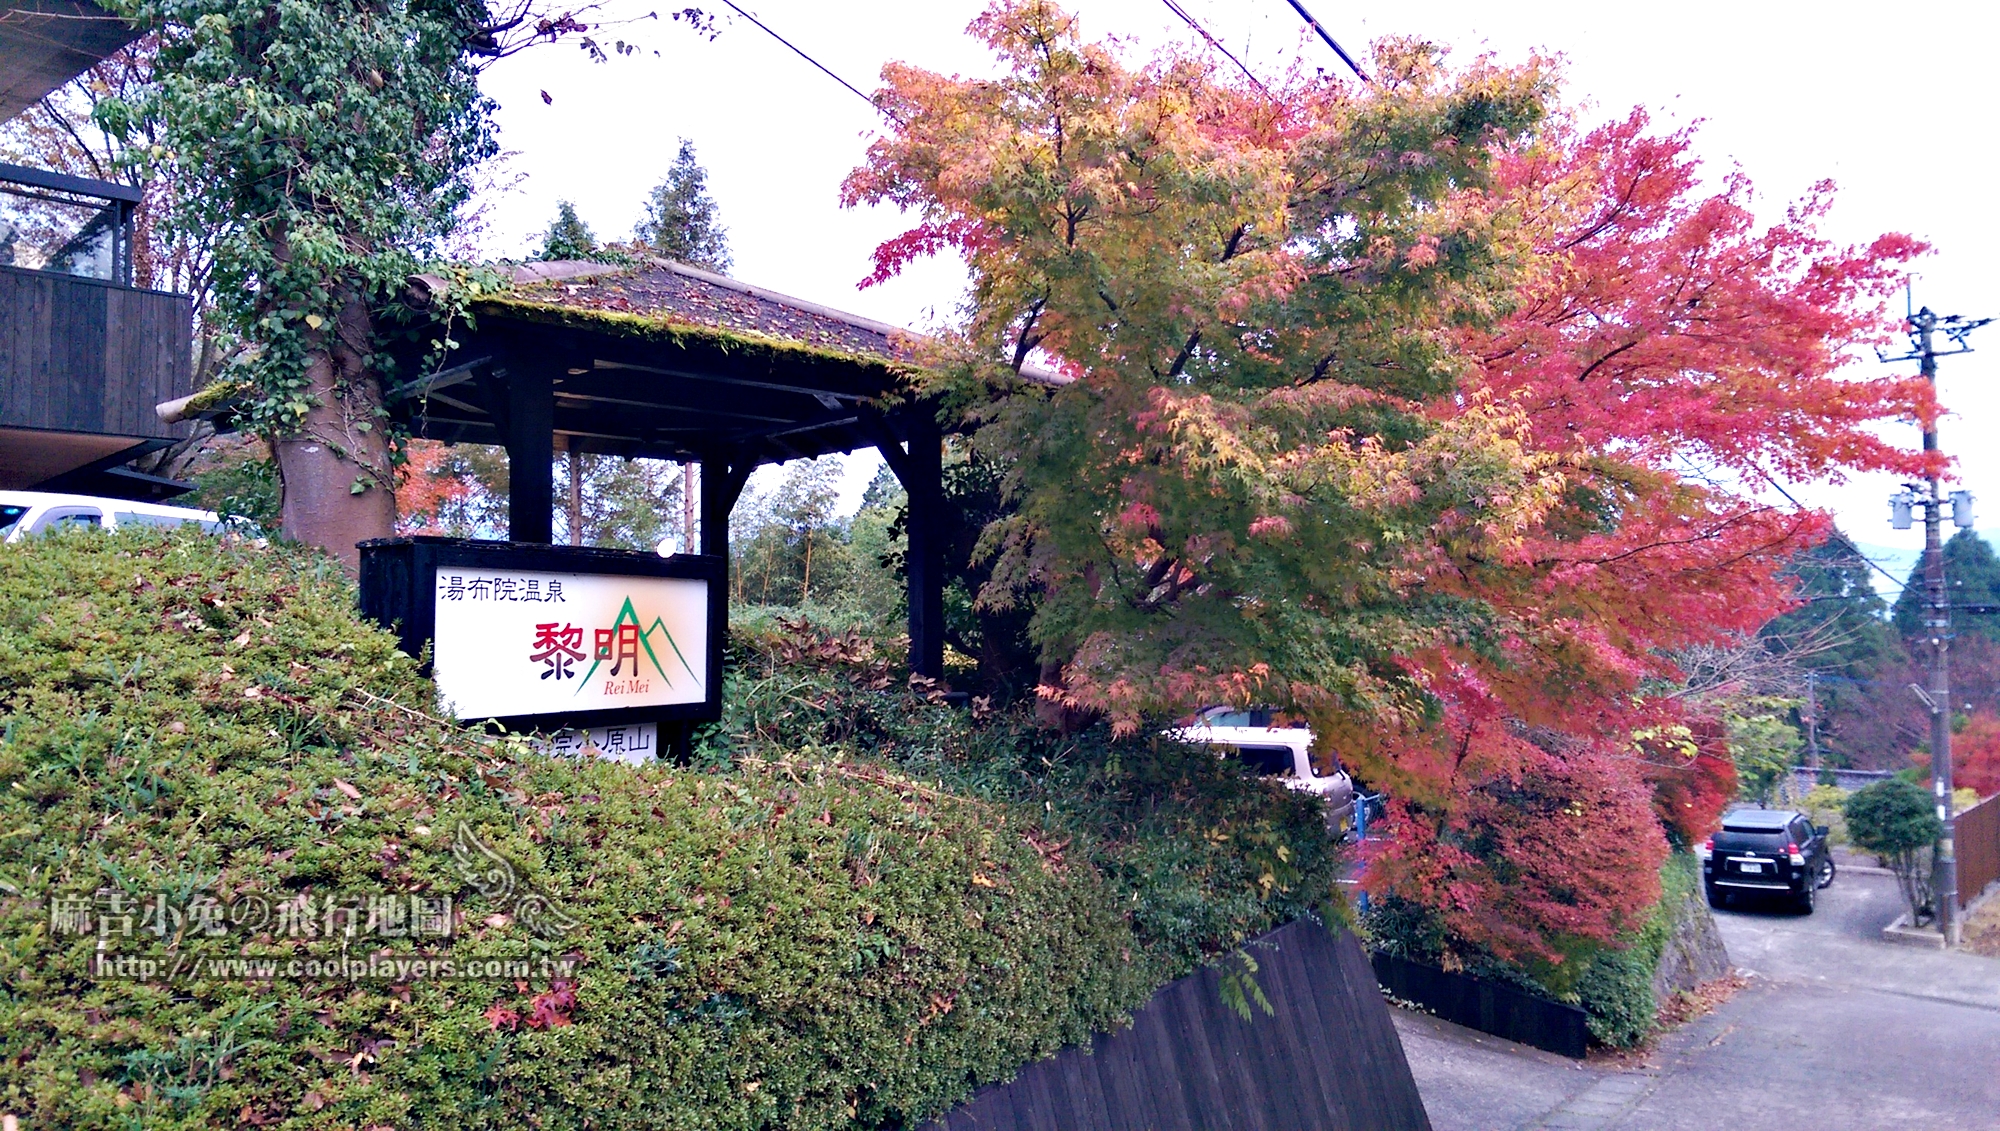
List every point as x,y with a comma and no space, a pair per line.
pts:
1836,1030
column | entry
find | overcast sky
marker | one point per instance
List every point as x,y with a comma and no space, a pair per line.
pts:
1893,102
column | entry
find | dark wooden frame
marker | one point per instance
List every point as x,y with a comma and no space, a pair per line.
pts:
516,380
90,355
398,592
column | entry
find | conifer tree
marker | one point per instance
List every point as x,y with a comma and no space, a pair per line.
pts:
1971,577
682,221
567,236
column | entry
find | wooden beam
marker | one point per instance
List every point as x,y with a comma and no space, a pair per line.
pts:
442,379
849,394
675,409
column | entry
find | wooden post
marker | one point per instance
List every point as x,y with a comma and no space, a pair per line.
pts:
680,742
921,471
531,455
722,479
925,557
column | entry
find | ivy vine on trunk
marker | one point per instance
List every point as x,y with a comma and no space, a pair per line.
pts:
324,146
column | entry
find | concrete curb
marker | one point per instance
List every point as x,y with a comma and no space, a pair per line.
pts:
1900,931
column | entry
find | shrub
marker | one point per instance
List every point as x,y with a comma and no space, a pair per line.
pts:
1613,985
804,940
1825,804
1897,820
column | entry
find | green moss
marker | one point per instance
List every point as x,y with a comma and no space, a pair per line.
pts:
214,395
801,939
743,346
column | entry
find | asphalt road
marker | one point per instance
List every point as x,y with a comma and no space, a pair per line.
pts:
1836,1030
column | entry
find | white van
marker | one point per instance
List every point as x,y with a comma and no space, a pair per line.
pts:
1257,738
25,514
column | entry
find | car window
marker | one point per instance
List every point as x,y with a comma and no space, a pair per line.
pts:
1224,717
141,518
1269,761
1748,839
71,520
10,517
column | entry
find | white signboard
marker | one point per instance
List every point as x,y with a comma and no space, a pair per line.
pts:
634,743
517,642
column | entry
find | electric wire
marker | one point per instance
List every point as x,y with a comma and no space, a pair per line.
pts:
1843,539
824,69
1177,10
1315,25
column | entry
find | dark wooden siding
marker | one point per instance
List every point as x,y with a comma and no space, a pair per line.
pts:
80,355
1327,1059
1978,849
1490,1007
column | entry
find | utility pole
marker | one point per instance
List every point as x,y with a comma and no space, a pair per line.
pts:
1812,722
1924,326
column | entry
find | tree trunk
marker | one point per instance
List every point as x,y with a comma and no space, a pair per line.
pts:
338,487
575,495
806,583
688,511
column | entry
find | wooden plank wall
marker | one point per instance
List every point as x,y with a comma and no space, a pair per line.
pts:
81,355
1327,1059
1490,1007
1977,848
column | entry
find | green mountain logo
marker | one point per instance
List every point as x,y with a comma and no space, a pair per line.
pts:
627,615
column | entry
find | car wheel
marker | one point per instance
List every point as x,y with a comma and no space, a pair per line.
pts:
1717,898
1826,872
1808,899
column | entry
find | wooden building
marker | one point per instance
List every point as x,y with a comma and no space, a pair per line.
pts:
84,355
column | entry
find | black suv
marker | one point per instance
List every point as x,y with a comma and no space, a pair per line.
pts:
1766,852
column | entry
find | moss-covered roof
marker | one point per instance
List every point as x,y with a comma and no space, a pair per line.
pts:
668,329
660,295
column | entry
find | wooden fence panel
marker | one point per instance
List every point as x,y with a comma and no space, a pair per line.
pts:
84,355
1326,1058
1978,849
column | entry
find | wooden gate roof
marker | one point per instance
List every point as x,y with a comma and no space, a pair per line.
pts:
663,360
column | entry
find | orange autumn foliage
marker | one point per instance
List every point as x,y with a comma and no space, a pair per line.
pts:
426,488
1386,401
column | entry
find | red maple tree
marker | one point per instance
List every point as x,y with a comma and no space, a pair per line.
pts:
1975,754
1677,361
426,487
1409,407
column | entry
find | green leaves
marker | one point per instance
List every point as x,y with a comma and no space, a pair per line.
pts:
1241,495
1892,816
316,178
878,910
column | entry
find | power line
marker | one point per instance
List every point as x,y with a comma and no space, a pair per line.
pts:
1215,43
1315,25
1837,535
824,69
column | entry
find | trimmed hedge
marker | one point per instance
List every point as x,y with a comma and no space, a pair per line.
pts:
803,940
